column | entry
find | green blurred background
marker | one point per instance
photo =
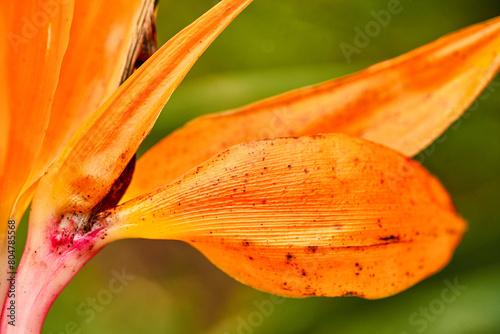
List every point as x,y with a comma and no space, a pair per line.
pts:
274,46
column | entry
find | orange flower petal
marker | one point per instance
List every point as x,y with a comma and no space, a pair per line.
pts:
30,59
91,71
4,106
328,215
4,141
96,156
404,103
37,35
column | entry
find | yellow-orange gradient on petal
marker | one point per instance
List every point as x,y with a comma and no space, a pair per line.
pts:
103,37
328,215
404,103
96,156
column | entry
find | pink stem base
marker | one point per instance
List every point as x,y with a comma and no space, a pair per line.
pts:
46,268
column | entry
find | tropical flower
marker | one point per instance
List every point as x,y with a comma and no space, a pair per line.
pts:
310,193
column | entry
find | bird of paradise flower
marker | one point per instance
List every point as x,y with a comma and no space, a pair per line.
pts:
329,205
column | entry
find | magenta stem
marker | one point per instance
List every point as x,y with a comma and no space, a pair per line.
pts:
47,266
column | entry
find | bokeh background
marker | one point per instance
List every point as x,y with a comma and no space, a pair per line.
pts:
275,46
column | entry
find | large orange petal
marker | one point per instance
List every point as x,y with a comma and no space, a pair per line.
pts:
4,141
403,103
96,156
91,71
35,39
4,105
326,215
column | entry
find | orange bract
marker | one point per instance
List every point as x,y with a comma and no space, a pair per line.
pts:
85,82
404,103
77,181
327,215
91,70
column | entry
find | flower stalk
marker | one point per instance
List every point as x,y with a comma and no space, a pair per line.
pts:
49,262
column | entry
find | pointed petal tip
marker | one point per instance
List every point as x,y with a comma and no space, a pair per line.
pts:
112,135
404,103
